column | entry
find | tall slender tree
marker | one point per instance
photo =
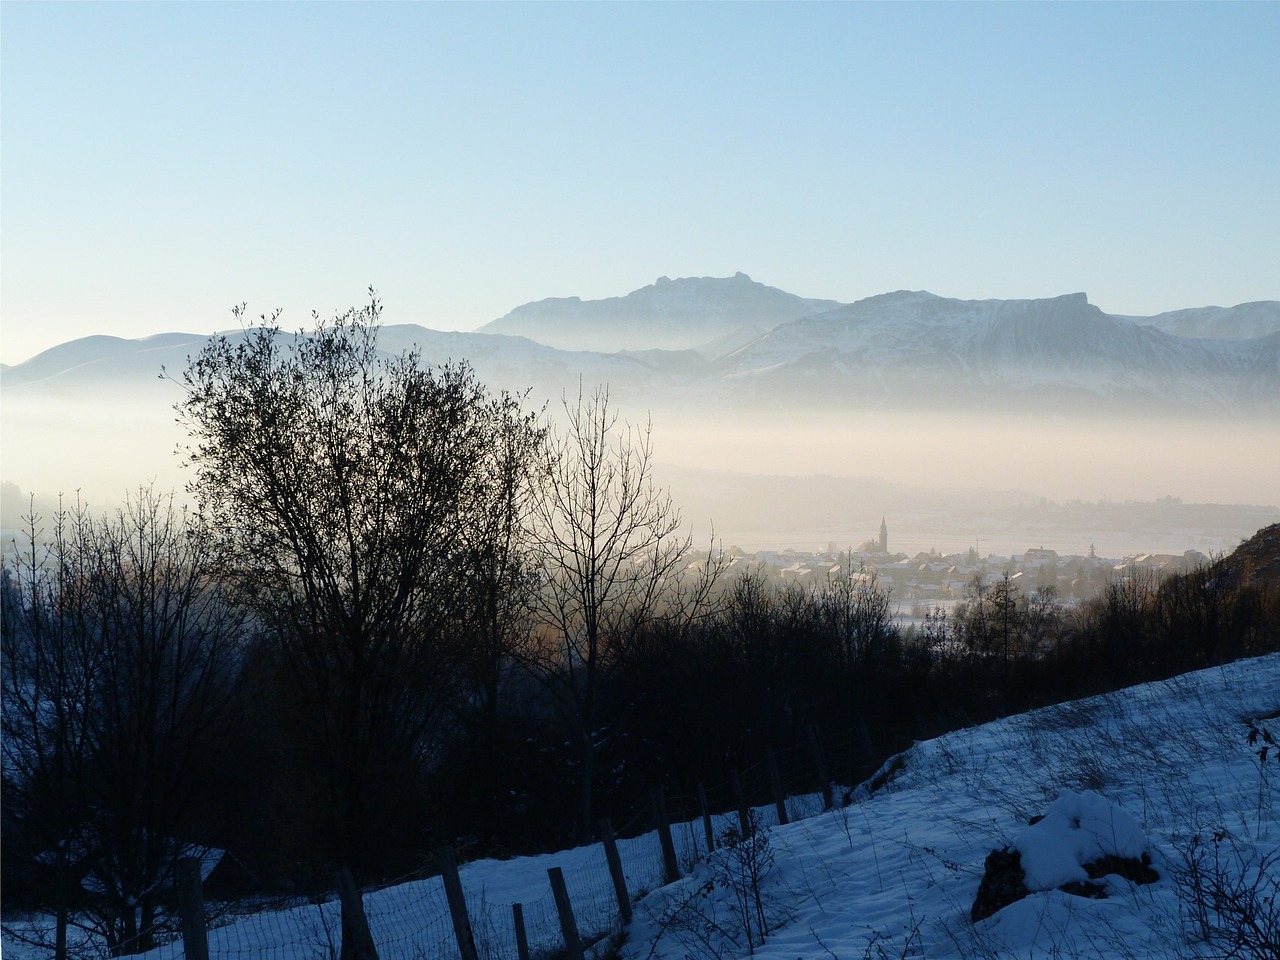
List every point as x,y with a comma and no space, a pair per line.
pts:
610,543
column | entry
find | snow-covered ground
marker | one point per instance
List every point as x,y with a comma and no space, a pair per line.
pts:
1164,769
895,874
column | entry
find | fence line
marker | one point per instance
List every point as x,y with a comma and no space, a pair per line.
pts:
411,921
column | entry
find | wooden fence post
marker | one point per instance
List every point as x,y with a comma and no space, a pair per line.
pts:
820,762
522,939
355,926
457,904
706,818
568,925
670,866
615,870
60,907
775,783
744,815
195,940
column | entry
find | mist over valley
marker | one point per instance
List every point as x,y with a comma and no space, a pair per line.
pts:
785,421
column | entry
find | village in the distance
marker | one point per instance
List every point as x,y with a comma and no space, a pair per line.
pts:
921,582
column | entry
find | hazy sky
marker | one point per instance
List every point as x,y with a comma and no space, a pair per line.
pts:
164,161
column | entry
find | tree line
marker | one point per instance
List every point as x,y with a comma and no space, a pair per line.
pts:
405,610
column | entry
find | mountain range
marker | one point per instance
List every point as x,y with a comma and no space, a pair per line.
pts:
707,314
915,349
738,343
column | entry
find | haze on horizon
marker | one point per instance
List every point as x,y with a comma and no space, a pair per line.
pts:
163,162
797,477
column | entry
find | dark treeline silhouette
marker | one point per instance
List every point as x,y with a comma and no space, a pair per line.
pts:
119,683
766,664
407,613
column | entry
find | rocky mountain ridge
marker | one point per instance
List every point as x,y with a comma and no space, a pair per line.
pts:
903,350
699,313
913,348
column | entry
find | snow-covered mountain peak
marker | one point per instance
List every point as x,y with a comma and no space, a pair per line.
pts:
685,313
924,300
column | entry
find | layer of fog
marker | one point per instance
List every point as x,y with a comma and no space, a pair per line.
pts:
800,479
1209,461
51,446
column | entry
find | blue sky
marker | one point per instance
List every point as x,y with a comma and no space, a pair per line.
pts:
160,162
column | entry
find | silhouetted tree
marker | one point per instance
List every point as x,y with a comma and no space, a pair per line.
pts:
339,482
121,654
610,544
502,580
857,609
1120,629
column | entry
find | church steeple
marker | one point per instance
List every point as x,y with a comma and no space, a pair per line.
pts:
884,536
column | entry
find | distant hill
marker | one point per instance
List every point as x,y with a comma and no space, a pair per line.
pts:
100,365
1257,560
103,360
1241,322
710,314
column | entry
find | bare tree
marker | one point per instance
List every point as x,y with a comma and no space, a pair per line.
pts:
856,609
502,580
121,660
610,544
1122,617
50,658
336,479
994,621
1043,621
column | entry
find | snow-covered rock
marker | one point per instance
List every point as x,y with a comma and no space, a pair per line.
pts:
1078,829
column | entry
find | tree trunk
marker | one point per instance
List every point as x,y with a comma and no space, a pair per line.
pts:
586,777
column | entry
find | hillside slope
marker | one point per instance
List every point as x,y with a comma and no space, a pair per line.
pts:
1255,561
1165,768
895,874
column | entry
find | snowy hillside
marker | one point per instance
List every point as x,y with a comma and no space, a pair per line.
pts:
1244,321
103,361
706,313
1163,773
1164,769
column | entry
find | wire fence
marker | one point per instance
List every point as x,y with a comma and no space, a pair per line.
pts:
412,921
